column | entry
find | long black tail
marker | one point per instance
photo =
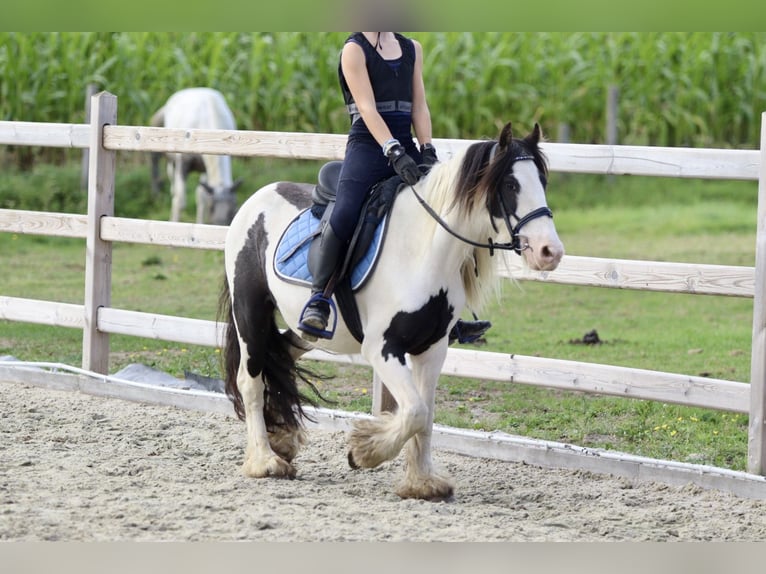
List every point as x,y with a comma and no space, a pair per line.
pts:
269,356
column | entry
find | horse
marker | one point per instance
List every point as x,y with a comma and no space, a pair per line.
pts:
436,259
198,108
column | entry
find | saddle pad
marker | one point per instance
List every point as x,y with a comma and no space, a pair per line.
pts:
291,256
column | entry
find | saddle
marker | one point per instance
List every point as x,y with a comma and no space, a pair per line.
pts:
292,259
371,227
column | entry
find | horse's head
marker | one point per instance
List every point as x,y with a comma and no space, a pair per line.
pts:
223,202
511,174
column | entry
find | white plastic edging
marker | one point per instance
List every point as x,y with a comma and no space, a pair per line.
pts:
481,444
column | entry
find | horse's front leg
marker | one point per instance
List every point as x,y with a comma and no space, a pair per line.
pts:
204,201
260,459
421,479
374,441
177,188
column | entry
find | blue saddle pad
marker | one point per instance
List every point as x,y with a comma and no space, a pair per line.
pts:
291,256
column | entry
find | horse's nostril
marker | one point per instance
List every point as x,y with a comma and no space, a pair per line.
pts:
550,253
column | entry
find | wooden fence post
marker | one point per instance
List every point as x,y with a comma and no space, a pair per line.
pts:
756,442
89,93
98,253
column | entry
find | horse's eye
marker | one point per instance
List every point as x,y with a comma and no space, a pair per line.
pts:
511,184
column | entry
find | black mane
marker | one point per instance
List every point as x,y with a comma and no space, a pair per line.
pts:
486,165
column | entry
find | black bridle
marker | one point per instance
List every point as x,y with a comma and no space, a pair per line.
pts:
515,243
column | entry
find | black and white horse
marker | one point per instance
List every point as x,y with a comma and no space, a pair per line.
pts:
436,259
198,108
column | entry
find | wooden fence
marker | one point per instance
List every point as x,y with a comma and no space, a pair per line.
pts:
103,137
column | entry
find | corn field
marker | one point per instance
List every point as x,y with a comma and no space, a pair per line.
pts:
675,89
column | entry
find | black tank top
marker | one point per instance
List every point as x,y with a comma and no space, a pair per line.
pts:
391,84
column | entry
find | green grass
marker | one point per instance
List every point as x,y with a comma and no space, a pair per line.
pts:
640,218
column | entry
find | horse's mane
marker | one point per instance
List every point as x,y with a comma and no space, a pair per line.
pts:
472,180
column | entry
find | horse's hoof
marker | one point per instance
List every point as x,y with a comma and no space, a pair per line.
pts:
286,444
351,461
274,467
433,490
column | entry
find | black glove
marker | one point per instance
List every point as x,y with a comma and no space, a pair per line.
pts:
428,152
404,166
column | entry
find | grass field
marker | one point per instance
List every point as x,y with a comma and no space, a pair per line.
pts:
641,218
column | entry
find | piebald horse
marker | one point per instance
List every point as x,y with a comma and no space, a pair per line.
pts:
198,108
436,260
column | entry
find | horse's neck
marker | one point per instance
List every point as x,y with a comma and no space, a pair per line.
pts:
429,242
437,190
435,252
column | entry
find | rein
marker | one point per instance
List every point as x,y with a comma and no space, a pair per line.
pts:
515,243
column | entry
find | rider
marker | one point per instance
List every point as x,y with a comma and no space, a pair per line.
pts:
381,77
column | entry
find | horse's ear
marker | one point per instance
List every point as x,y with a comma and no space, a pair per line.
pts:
506,136
536,135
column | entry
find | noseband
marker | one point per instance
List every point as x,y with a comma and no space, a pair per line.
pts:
515,243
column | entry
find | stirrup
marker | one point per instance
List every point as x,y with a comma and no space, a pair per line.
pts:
313,331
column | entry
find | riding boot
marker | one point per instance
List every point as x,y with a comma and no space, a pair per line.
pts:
468,331
324,257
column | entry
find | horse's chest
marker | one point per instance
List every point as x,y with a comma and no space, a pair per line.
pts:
415,331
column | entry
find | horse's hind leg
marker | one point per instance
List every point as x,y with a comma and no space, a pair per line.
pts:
258,359
261,460
287,441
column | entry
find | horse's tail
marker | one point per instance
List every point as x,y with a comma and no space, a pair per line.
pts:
270,356
158,120
230,353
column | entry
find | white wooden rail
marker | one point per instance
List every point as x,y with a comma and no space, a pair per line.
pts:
100,228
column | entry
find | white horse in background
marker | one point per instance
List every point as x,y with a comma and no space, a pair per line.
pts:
198,108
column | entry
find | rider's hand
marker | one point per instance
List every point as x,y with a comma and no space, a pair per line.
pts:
403,164
428,152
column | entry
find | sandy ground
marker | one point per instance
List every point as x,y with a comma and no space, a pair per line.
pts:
79,468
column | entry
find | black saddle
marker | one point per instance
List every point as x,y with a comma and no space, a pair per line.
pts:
326,188
374,210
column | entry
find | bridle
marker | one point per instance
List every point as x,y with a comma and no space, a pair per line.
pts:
515,243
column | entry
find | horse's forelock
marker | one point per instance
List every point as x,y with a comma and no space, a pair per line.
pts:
486,165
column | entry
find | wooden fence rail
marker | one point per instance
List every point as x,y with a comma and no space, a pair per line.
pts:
103,137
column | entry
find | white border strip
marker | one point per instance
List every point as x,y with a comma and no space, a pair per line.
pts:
481,444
